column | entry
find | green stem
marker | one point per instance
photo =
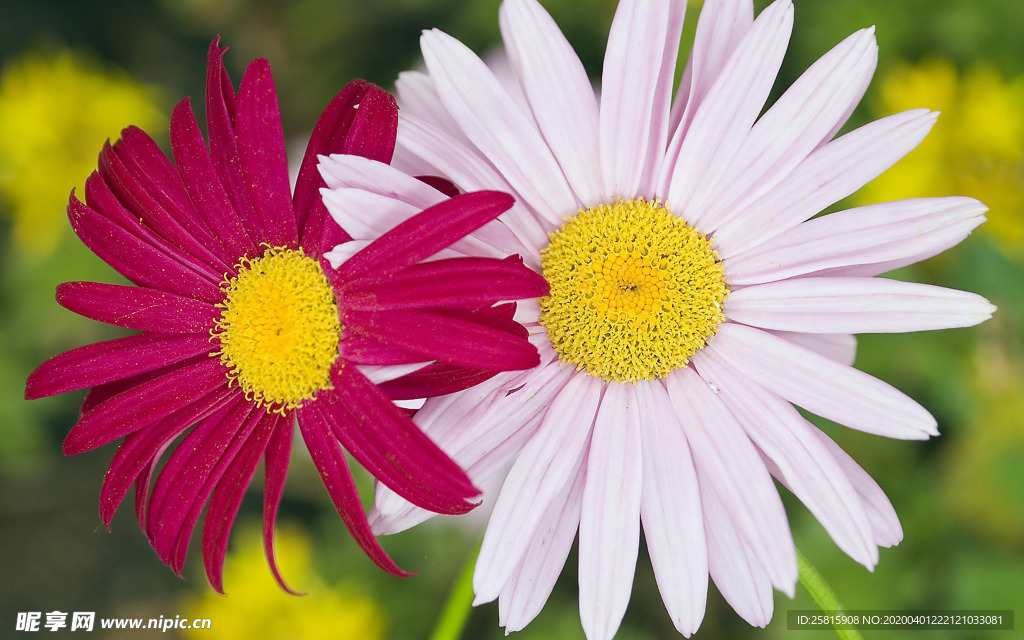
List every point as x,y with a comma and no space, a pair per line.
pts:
460,602
823,595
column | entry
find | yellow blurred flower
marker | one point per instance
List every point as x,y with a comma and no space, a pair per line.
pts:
256,607
976,148
55,113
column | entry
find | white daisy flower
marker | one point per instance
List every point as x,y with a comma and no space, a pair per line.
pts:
693,300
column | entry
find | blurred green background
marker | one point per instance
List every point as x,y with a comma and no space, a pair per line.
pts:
74,73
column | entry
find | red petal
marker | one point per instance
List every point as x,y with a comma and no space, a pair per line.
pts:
227,498
424,234
138,308
146,403
391,447
451,283
112,360
262,157
203,184
275,470
362,119
330,462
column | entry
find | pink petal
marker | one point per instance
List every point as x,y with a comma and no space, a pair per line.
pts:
534,579
826,176
720,28
732,563
112,360
796,457
722,123
359,186
820,385
635,95
468,169
610,515
132,188
863,241
670,511
885,525
795,125
488,116
855,305
839,347
728,463
330,462
262,157
559,92
546,465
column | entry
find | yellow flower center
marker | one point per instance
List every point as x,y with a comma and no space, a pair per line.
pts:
635,291
279,328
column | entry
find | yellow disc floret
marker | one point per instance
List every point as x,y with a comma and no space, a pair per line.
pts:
279,328
635,291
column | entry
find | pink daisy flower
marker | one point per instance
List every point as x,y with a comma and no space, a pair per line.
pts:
245,328
694,301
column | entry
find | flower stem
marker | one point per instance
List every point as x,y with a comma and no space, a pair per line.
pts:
460,602
822,595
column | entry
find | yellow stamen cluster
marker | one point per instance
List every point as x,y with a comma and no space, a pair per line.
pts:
279,328
635,291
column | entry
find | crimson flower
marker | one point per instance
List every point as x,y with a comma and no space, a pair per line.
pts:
246,328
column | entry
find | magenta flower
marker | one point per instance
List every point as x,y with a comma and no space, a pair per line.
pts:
695,299
245,328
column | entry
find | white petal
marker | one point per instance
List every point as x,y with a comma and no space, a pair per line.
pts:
725,117
820,385
379,374
546,465
796,457
342,252
531,584
795,125
499,129
349,171
855,305
629,82
470,171
494,239
610,516
365,215
725,458
835,346
418,97
480,428
826,176
559,93
738,575
885,525
865,240
720,28
670,511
